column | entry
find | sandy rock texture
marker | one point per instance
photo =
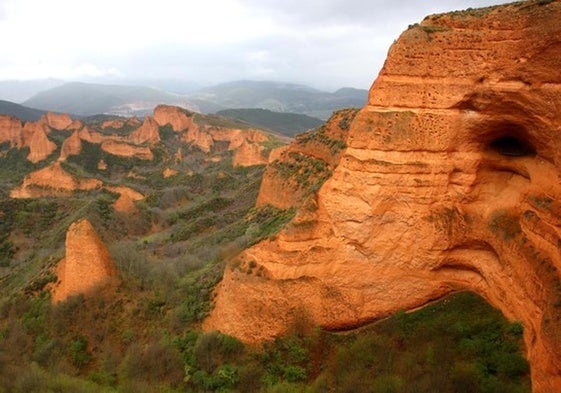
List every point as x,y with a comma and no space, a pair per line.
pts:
87,264
53,180
58,121
450,180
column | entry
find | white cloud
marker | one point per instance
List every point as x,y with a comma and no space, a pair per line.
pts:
325,43
55,70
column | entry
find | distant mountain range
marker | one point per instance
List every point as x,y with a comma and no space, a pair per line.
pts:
21,112
279,97
86,99
19,91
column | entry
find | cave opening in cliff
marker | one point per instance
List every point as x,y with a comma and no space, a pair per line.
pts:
511,146
511,141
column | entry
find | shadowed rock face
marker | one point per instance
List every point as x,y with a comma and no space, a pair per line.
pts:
451,180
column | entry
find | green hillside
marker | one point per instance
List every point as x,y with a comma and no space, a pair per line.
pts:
288,124
279,97
21,112
145,336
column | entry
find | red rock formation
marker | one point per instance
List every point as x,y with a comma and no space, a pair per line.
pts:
133,122
127,197
300,168
178,118
234,137
91,136
11,131
148,132
198,137
249,154
168,172
35,137
123,149
58,121
52,180
115,124
87,265
72,146
451,180
75,125
277,153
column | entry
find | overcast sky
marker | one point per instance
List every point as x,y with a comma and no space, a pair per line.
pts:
323,43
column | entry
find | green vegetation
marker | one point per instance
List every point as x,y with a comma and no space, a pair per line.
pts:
146,337
220,121
21,112
142,342
277,97
308,172
288,124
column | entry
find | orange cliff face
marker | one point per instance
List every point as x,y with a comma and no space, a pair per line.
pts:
35,137
87,264
148,132
58,121
11,131
72,146
451,180
296,170
178,118
53,180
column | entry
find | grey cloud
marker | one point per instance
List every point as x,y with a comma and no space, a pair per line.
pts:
327,44
318,12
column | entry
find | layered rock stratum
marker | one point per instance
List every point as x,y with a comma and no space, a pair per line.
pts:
450,180
87,265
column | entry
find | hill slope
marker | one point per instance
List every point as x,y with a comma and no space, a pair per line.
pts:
279,97
288,124
170,217
19,91
21,112
87,99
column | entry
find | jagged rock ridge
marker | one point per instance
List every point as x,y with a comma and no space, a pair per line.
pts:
122,138
450,181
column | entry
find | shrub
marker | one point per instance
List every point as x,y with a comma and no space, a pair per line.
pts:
78,352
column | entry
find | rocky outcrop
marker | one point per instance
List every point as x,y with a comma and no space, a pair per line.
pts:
178,118
114,123
249,154
296,172
450,181
127,196
169,172
35,137
72,146
52,180
11,131
123,149
198,137
148,132
87,265
58,121
91,136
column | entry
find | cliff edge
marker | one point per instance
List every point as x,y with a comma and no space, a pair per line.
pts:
450,180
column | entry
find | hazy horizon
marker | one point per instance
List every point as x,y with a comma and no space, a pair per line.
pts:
326,45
